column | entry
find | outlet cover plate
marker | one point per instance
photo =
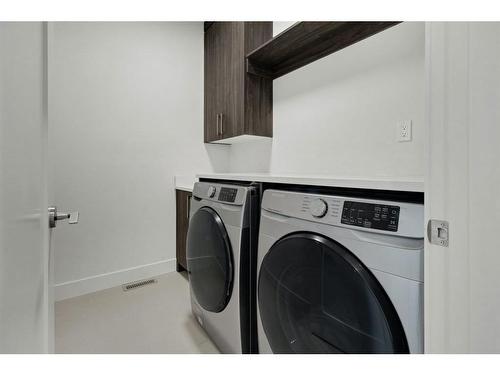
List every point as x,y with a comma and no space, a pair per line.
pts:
404,131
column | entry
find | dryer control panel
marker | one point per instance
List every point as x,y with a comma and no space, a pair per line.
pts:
363,214
223,193
228,194
369,215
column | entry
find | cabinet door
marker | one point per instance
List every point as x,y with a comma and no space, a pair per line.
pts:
230,81
212,56
182,223
228,90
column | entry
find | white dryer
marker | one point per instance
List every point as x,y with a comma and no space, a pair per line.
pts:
339,274
221,261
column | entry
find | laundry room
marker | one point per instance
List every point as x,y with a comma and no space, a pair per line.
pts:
92,65
249,187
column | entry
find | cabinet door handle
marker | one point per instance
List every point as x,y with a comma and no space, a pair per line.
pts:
221,124
217,124
187,207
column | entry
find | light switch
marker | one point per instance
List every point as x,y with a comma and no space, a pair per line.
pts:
404,131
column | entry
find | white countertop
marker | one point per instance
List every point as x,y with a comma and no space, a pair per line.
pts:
185,183
414,184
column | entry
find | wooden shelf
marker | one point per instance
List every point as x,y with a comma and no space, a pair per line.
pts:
305,42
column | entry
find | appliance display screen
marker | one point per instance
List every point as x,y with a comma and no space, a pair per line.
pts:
369,215
227,194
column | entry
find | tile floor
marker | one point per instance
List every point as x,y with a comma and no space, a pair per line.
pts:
152,319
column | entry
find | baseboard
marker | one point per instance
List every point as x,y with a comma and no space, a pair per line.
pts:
91,284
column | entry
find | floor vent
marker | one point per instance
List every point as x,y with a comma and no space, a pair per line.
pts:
138,284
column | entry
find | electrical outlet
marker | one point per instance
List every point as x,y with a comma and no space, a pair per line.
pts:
404,131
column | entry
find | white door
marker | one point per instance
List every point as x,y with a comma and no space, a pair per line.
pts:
25,297
462,281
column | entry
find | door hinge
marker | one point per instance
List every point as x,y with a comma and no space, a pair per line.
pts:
438,232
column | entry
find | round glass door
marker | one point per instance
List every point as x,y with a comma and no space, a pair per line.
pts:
209,260
315,296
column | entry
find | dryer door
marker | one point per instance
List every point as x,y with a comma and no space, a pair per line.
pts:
315,296
209,260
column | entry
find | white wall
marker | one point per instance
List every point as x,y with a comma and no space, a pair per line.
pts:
125,116
462,296
338,115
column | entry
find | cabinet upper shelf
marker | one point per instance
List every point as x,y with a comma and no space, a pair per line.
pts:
305,42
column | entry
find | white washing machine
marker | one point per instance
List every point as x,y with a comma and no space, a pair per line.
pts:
221,261
339,275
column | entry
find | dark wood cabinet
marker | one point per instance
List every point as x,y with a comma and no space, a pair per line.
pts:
183,200
236,103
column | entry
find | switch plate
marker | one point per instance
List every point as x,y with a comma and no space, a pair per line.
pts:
404,131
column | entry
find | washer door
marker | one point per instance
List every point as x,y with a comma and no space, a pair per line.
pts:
315,296
209,260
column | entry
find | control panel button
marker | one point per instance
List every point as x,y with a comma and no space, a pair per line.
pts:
211,191
318,208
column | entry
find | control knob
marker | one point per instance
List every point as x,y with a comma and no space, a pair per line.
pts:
211,191
318,208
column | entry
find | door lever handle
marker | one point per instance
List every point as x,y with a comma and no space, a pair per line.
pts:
73,217
55,216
